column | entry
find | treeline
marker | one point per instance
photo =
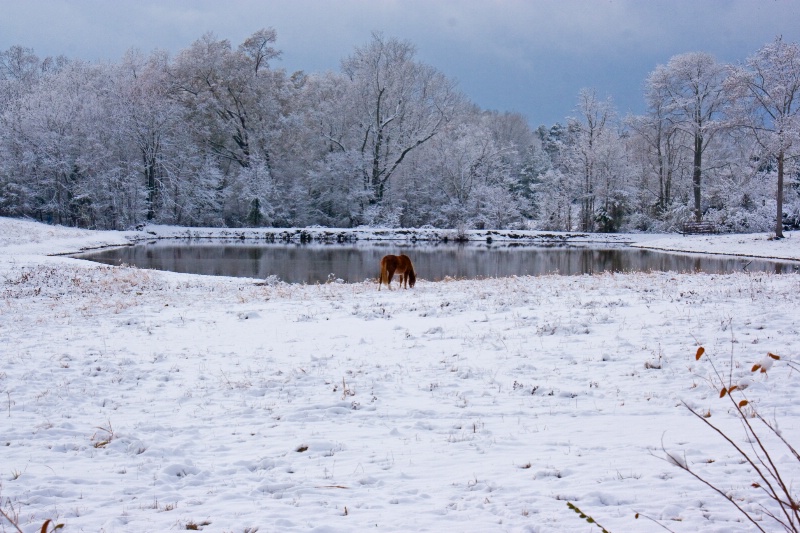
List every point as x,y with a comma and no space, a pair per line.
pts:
217,136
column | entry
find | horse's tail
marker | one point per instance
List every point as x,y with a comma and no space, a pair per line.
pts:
412,276
383,275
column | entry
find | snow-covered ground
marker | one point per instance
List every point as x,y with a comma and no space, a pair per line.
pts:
748,245
136,400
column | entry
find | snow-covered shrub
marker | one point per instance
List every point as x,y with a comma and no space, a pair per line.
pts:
738,219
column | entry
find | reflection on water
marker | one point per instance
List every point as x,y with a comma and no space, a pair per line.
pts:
312,263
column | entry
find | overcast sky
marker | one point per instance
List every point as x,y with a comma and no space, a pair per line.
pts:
510,55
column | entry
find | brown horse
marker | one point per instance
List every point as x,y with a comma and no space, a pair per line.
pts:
397,264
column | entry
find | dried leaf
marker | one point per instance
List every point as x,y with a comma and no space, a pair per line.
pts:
776,357
636,516
733,388
48,523
755,367
699,354
743,403
723,392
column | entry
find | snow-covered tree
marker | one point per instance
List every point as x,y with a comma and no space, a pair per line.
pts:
216,136
770,87
61,134
151,123
658,139
231,94
690,87
473,174
399,104
592,163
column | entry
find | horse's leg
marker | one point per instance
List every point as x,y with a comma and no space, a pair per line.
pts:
390,276
406,269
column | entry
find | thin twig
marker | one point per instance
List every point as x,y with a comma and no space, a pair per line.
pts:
10,521
653,520
715,489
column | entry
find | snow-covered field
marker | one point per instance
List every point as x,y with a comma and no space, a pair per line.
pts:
135,400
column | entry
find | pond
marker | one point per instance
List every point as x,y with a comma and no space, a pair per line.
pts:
317,263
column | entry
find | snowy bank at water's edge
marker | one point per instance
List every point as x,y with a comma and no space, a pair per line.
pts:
761,245
29,237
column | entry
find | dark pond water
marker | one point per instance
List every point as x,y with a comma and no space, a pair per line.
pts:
313,263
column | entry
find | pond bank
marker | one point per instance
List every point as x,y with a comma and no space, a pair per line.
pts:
18,236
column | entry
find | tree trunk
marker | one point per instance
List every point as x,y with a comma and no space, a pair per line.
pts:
668,189
779,221
662,200
697,175
150,177
375,182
